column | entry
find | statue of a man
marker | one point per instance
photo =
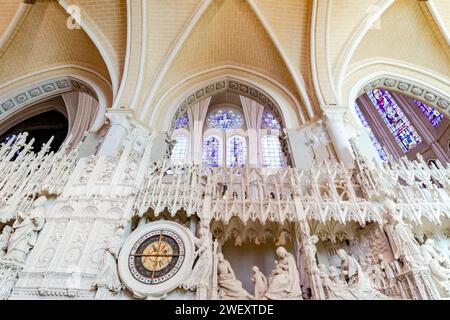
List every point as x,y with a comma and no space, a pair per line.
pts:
229,287
201,273
284,283
402,240
260,281
107,281
386,268
310,248
26,228
4,239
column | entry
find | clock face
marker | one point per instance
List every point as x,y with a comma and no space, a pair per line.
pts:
156,257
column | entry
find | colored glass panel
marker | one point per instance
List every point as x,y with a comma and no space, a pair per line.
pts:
394,118
433,116
269,121
236,151
212,151
225,119
182,121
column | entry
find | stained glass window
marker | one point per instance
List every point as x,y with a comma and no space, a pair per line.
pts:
374,139
269,121
212,151
236,151
182,121
434,116
180,149
225,119
272,154
400,127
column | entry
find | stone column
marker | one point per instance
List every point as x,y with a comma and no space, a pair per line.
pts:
340,133
253,112
197,115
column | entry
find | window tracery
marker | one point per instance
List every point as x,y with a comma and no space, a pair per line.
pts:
272,152
225,119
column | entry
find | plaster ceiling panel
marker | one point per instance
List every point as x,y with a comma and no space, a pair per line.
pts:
44,41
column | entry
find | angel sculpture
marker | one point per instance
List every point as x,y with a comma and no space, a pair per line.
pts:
200,276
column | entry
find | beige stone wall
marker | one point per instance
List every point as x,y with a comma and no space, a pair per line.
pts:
44,42
228,33
8,10
408,36
108,20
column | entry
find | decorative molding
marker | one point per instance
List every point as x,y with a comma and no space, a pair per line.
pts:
428,96
234,85
42,90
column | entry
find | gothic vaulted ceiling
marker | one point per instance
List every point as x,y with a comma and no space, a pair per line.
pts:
313,50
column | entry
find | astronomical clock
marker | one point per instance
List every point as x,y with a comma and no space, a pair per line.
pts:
156,258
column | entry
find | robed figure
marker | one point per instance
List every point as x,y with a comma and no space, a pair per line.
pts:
229,287
358,283
284,282
107,281
201,274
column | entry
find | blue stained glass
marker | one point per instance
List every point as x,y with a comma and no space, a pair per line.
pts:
212,151
394,118
225,119
182,121
374,139
236,151
269,121
433,116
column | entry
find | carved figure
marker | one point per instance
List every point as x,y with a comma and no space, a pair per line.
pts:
107,281
260,281
400,236
4,239
202,270
26,229
386,267
436,261
229,287
284,282
358,283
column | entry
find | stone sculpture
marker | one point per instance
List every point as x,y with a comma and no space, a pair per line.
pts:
200,276
4,239
403,243
108,281
358,283
284,282
260,281
438,264
24,236
229,287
